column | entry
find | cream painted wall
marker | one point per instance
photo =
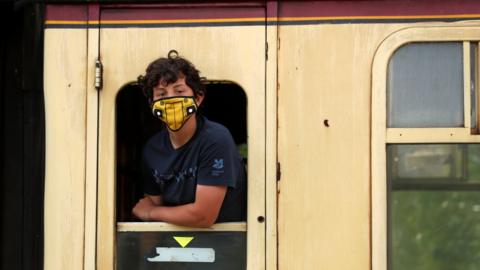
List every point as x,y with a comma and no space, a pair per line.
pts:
324,204
324,200
65,126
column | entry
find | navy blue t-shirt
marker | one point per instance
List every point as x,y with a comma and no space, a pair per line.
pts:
210,157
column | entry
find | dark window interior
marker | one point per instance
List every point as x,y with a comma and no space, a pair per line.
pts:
225,103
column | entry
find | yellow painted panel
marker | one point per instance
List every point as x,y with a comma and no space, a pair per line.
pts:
65,122
324,144
220,53
91,154
271,151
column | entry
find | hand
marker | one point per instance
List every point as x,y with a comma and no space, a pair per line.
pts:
143,208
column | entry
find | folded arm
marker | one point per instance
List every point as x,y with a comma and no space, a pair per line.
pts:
201,213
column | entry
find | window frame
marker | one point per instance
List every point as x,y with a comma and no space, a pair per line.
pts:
381,135
159,227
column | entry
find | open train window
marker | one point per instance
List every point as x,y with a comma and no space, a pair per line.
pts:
141,245
426,157
225,103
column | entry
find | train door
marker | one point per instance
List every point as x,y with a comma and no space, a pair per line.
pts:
226,43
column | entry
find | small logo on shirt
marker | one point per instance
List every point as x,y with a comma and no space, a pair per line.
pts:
218,164
217,167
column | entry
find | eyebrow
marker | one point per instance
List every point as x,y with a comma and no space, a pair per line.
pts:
178,85
174,86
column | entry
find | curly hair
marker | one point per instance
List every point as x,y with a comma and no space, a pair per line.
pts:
169,70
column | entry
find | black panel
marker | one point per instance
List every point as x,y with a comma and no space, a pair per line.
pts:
133,249
226,103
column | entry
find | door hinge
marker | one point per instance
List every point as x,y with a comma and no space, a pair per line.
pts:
266,51
279,172
98,74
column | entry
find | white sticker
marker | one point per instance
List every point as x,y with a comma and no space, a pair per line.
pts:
166,254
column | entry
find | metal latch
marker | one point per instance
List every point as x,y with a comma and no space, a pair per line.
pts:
98,74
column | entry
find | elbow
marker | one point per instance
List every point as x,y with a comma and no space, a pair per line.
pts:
203,217
205,222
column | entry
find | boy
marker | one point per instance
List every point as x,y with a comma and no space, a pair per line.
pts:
194,175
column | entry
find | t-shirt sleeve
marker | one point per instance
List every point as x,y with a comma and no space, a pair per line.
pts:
219,162
150,186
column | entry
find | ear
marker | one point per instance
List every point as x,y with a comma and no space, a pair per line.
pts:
199,98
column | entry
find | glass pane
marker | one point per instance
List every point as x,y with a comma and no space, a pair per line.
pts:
434,230
448,162
162,250
425,86
433,206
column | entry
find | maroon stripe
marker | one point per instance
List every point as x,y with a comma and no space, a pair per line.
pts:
93,12
66,12
378,8
274,8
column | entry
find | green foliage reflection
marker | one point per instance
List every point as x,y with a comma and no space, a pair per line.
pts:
432,228
435,230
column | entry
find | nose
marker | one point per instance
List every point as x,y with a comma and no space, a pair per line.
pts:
166,94
169,94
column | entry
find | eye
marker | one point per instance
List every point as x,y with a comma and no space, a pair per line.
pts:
159,94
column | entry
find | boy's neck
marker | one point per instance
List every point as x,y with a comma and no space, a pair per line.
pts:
181,137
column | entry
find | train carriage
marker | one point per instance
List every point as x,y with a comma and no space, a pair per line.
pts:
359,122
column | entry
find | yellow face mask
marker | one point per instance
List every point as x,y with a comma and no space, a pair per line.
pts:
174,111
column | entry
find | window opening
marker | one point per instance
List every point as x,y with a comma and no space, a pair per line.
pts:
225,102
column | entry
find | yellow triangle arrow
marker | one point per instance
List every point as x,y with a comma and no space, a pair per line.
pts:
183,241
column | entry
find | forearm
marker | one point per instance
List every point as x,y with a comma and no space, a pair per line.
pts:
144,205
201,213
183,215
157,200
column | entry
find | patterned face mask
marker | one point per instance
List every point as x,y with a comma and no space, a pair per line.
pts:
174,111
